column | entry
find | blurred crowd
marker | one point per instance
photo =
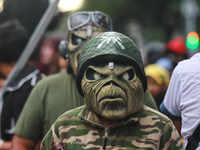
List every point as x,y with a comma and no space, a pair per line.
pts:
49,60
159,60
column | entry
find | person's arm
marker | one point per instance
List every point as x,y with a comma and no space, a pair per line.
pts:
29,125
171,105
19,143
178,125
5,145
170,138
45,144
52,136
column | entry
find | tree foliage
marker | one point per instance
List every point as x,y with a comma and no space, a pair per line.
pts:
158,19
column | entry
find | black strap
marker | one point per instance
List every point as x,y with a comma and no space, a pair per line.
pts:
193,140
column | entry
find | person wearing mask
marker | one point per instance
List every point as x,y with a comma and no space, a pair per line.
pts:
114,115
57,93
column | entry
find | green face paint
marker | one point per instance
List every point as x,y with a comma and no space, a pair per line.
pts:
112,93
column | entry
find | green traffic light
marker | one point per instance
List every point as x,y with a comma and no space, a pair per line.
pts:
192,41
191,46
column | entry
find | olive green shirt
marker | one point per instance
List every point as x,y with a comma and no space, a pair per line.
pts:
50,98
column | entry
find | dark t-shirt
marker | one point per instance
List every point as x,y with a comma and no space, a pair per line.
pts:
14,99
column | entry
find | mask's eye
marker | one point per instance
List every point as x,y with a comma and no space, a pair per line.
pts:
77,40
97,76
125,76
128,75
92,75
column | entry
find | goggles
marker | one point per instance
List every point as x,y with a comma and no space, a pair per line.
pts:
82,18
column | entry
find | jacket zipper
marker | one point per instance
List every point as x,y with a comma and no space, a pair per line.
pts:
105,140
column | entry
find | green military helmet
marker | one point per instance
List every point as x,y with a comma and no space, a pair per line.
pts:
110,47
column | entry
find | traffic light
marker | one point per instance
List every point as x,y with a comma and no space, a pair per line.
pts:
192,41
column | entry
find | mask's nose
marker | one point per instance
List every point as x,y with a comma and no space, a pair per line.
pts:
112,80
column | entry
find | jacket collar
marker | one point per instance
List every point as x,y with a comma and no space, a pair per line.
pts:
92,118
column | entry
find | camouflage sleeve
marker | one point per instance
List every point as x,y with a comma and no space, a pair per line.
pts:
50,138
46,142
170,139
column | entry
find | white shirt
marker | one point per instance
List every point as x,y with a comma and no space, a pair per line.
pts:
182,100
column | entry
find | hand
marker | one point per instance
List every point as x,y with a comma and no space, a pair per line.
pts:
5,145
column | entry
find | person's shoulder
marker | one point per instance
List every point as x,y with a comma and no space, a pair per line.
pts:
155,119
194,60
54,79
149,112
70,115
55,76
157,124
188,67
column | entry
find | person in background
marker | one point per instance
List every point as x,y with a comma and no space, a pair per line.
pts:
22,10
152,51
158,79
182,100
49,55
113,116
13,39
165,63
167,54
57,93
176,50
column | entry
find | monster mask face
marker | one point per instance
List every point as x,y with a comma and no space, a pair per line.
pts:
77,40
110,76
83,26
112,91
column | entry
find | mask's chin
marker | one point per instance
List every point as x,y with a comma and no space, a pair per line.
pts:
112,108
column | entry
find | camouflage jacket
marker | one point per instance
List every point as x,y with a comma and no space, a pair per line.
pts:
80,129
